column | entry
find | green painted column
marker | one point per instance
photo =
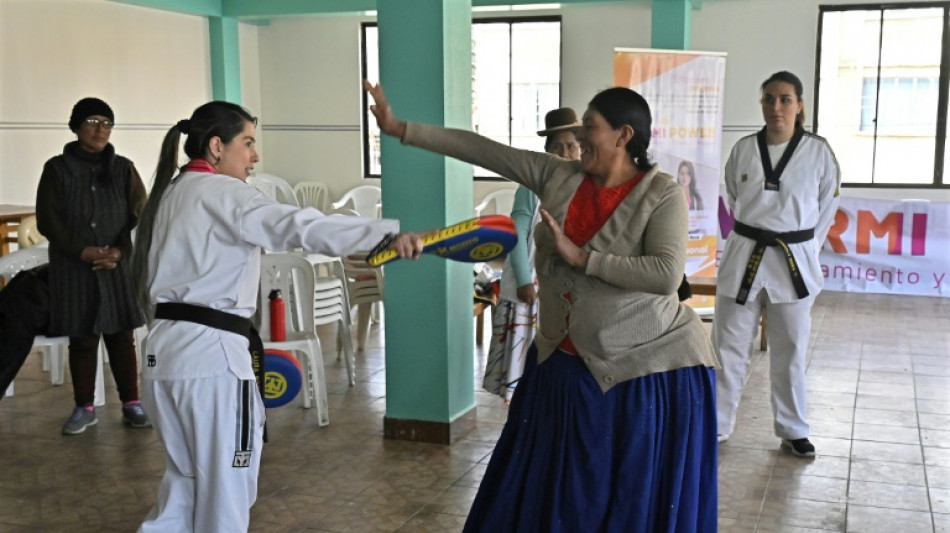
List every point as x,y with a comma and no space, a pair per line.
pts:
672,22
425,67
225,59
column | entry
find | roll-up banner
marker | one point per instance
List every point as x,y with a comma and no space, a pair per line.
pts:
685,93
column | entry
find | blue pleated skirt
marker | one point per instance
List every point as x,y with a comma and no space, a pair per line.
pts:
640,458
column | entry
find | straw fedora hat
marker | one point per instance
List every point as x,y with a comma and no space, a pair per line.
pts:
559,120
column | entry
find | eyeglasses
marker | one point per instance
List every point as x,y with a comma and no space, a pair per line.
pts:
568,147
95,123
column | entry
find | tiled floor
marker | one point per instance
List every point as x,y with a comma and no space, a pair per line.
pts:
879,380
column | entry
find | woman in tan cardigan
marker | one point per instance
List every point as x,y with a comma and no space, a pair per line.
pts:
613,425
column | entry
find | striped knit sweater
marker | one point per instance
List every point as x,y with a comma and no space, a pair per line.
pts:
87,199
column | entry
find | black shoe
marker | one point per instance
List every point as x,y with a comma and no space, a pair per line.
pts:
80,420
800,447
133,415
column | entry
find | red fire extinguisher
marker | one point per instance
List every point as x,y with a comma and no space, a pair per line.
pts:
278,328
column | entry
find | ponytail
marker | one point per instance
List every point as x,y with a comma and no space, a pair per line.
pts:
638,153
167,166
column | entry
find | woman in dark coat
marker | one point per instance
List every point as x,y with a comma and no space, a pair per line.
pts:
88,201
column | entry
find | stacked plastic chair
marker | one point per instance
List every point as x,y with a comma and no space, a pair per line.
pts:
365,290
294,276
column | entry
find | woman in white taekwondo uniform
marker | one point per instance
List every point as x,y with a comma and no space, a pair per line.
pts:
197,266
782,186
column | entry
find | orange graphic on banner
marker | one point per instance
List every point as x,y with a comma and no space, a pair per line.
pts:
867,224
630,70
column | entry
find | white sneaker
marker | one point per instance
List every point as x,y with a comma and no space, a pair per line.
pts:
722,437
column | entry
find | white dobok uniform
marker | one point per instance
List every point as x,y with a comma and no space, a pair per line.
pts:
198,382
807,198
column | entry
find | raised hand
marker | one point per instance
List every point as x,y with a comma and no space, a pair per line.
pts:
385,118
570,252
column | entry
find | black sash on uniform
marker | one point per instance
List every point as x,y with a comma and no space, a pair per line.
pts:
225,321
765,238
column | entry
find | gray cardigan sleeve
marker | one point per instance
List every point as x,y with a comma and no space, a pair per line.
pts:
521,166
659,268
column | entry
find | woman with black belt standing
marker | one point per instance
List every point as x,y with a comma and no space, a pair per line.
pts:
782,185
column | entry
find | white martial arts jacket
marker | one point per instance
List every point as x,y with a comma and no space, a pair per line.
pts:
807,198
206,250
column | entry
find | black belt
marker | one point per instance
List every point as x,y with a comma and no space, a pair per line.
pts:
763,239
222,320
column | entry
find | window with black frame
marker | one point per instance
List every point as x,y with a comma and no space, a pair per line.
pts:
516,80
881,92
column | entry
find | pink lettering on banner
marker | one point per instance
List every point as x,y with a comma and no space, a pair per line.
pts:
891,227
918,234
883,275
880,246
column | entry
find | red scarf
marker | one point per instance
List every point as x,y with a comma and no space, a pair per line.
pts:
199,165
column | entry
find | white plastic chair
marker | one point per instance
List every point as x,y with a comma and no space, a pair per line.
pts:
294,276
276,188
366,200
365,283
54,348
27,233
503,200
364,287
312,194
331,305
342,211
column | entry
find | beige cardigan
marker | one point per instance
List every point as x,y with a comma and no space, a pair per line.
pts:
623,315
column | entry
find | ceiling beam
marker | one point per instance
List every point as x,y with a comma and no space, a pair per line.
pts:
204,8
262,9
287,8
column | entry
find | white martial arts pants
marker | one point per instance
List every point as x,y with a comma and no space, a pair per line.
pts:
212,429
787,330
